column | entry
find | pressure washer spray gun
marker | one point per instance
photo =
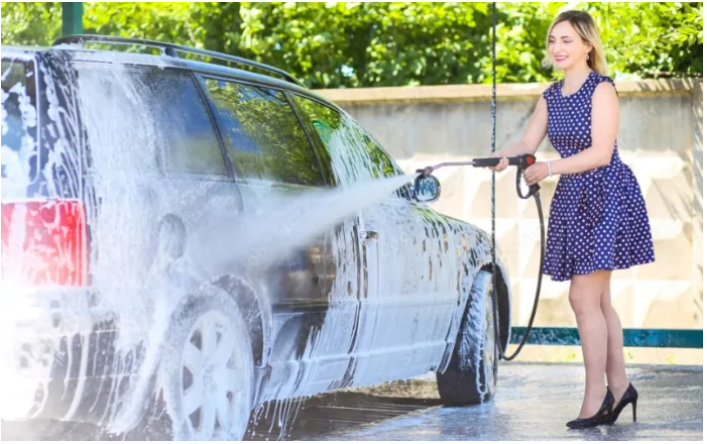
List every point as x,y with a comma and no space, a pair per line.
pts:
427,189
522,162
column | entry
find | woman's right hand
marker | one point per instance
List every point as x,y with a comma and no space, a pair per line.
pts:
502,165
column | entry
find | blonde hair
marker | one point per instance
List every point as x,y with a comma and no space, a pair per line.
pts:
583,23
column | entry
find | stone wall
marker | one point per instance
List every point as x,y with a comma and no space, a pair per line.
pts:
660,138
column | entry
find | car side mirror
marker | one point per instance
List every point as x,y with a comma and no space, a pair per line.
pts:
427,188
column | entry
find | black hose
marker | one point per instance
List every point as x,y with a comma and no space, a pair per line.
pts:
522,342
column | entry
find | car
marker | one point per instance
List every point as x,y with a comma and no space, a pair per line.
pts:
153,261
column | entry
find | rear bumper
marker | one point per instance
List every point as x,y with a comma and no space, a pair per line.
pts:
59,357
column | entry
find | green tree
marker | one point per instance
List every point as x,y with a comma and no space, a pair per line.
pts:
332,45
31,23
365,44
209,25
651,39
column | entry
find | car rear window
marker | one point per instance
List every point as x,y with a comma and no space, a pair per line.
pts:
20,156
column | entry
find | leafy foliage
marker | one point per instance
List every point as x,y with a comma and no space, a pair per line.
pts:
355,44
651,39
31,23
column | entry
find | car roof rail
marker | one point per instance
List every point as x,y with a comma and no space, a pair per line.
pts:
173,50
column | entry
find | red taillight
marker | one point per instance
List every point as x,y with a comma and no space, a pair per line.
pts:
44,243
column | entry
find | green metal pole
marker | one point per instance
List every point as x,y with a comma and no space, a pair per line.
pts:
72,18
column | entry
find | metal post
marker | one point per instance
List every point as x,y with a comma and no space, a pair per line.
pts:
72,18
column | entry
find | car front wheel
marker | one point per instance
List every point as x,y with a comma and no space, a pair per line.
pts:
470,377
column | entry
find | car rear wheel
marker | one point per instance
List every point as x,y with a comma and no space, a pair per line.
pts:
470,377
207,370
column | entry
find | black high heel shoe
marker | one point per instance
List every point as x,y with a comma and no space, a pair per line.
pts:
630,397
603,416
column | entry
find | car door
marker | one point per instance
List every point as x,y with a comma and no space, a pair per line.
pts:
325,126
405,316
417,273
313,287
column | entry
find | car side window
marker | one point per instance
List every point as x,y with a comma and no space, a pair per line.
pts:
193,144
355,155
263,137
162,111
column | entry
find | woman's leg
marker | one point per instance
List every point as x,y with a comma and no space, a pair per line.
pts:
615,366
585,298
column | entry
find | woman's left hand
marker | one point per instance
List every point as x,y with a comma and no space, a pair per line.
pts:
535,173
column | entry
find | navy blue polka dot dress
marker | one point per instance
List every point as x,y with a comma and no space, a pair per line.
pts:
598,218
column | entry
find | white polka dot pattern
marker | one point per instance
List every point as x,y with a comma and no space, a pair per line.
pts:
598,218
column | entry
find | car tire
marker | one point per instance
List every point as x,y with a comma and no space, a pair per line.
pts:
206,375
470,377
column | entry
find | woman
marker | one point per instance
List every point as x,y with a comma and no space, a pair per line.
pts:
598,220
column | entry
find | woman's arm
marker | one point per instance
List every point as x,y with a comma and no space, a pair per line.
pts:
534,133
605,126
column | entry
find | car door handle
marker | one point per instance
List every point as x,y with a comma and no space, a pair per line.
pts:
370,235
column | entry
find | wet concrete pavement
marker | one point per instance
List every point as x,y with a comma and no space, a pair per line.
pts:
534,401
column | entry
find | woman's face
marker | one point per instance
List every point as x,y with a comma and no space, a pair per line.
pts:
566,47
